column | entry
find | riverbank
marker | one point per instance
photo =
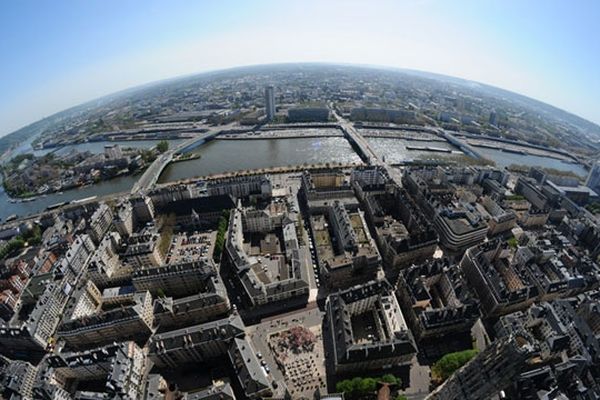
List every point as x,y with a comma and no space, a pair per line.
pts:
291,133
429,149
32,196
519,147
505,159
28,176
519,150
115,187
268,170
275,136
225,157
404,137
68,200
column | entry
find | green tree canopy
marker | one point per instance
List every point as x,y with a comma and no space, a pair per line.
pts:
450,362
220,240
359,387
392,379
14,244
162,146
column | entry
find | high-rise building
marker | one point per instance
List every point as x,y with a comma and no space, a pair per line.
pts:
493,118
270,102
593,179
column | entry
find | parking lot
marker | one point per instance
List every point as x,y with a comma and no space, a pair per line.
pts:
189,247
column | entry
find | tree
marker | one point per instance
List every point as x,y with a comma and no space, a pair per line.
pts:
344,386
162,146
389,378
148,156
167,227
450,362
220,240
367,385
16,243
594,207
34,236
359,387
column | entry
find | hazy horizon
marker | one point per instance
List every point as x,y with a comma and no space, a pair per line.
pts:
66,54
126,90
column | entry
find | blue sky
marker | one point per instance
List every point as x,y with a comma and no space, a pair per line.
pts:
56,54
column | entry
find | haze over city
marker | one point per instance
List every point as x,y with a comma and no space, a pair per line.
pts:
63,53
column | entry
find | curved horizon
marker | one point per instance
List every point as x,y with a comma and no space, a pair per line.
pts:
62,54
129,90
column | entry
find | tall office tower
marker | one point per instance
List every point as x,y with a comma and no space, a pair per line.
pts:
270,102
593,179
493,118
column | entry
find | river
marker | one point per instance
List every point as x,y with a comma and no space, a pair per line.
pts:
215,157
231,155
116,185
504,159
395,151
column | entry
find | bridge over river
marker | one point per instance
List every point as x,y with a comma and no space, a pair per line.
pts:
152,173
